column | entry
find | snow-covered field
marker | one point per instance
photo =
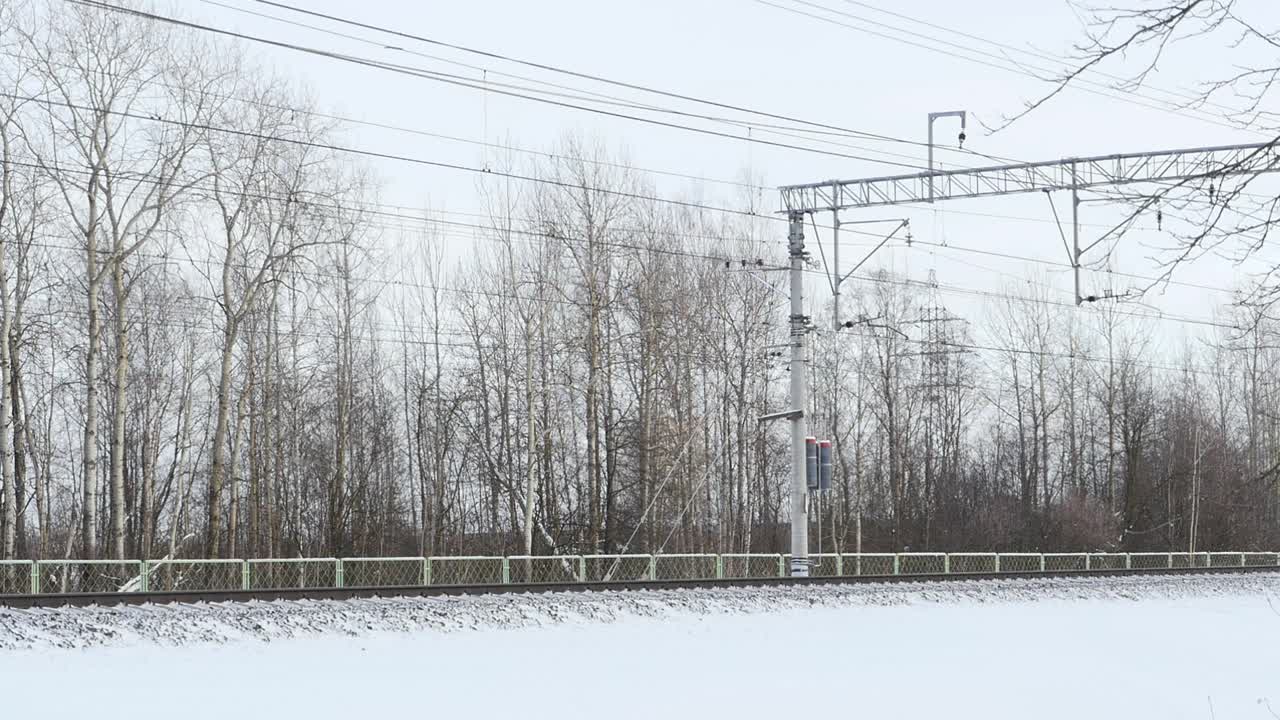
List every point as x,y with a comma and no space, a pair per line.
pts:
1088,648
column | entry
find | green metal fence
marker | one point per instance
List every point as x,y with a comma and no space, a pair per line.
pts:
97,576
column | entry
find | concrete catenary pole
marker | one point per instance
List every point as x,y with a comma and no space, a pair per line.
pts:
799,401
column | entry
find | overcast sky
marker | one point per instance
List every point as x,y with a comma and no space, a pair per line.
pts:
748,53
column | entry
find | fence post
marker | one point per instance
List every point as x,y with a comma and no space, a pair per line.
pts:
946,563
1170,566
653,567
1088,564
1243,561
720,567
997,562
426,569
1128,561
244,575
582,568
782,571
1041,562
35,577
338,580
839,563
144,575
897,563
506,571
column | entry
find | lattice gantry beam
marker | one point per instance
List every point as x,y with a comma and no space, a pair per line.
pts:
1079,173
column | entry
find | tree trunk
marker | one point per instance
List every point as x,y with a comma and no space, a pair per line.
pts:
217,469
119,407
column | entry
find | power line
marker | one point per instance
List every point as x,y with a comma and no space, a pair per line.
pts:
1004,297
387,156
373,210
589,96
442,136
597,78
664,251
1064,265
1183,94
1106,91
439,77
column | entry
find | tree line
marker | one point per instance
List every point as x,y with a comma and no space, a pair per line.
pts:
215,340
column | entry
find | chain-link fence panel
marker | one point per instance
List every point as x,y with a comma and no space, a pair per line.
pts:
1066,562
824,565
685,567
15,577
1019,562
868,564
546,569
1150,561
466,570
1107,561
291,573
384,572
1226,559
88,576
194,575
617,568
971,563
752,565
922,563
1261,559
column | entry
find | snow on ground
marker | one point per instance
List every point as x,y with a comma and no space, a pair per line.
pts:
1085,648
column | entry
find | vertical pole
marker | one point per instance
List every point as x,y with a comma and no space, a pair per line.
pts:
339,580
426,572
653,568
931,119
506,572
35,577
244,575
144,573
836,318
799,401
1075,232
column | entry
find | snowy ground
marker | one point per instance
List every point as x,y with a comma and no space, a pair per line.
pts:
1158,647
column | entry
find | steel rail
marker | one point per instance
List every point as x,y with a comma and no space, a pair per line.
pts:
57,600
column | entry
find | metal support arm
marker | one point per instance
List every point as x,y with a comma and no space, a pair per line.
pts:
1077,173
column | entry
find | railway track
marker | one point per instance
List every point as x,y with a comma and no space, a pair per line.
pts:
209,596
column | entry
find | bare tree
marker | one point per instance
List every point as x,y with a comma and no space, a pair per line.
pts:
1225,210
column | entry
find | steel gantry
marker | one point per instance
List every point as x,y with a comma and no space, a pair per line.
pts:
1070,174
1067,174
